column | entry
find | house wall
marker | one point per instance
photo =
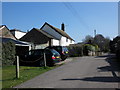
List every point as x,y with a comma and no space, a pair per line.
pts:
62,40
41,46
55,42
65,41
73,42
18,34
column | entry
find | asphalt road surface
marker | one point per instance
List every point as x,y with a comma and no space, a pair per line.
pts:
79,72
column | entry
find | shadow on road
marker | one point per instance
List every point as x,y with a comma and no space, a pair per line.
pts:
97,79
113,68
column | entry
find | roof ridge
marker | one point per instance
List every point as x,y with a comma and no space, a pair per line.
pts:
17,30
63,33
45,33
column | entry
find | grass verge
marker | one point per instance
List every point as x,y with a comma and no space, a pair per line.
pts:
9,79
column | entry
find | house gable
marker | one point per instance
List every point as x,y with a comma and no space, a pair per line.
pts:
61,32
5,32
17,33
36,36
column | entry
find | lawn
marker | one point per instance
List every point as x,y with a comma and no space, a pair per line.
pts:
9,76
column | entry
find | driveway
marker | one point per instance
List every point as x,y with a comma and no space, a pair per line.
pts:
80,72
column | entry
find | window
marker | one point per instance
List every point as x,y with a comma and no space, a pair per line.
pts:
66,39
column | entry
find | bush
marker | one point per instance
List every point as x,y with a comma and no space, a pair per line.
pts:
88,47
8,53
75,51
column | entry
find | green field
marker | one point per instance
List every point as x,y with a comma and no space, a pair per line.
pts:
9,74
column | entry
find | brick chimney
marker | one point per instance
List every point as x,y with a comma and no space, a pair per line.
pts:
63,27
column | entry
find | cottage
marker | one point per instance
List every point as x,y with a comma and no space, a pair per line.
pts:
61,35
39,39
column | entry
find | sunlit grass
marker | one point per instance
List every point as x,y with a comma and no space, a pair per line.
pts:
9,74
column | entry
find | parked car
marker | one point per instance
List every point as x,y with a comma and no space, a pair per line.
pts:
36,57
63,51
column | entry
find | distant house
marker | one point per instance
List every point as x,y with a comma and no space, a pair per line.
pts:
17,33
61,35
39,39
6,36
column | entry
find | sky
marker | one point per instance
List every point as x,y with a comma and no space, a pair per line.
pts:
80,18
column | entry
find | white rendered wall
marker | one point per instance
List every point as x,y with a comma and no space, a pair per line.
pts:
55,42
62,41
19,34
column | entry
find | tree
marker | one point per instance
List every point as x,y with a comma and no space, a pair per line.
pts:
102,42
88,39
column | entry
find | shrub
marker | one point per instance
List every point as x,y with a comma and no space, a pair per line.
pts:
75,51
8,53
89,47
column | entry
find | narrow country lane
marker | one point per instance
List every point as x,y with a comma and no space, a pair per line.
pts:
82,72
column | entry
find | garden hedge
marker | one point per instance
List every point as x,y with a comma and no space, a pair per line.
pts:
8,53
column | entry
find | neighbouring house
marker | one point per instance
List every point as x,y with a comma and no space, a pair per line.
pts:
6,36
17,33
61,35
39,39
5,32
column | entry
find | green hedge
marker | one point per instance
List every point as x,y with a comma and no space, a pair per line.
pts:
75,51
8,53
80,50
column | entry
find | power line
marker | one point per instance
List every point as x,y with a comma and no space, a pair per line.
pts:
76,14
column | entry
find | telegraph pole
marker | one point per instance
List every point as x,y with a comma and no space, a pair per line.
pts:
94,32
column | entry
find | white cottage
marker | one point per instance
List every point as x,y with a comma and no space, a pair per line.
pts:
63,38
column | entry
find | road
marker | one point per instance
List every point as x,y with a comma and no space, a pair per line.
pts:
81,72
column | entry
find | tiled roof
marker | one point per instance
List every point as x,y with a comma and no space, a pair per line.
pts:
63,33
45,33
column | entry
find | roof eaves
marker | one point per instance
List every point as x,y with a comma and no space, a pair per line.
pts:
58,31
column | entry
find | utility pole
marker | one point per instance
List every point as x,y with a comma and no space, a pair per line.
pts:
94,32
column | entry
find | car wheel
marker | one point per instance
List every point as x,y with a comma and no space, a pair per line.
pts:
42,63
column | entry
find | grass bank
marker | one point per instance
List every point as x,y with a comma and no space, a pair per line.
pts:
9,74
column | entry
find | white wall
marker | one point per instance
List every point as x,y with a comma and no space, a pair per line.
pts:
65,42
55,42
62,39
19,34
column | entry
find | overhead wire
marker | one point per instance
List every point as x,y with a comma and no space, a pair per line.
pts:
76,14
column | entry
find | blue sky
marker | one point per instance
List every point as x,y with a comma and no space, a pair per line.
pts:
80,18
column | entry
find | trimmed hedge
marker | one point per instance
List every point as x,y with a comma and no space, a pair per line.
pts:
8,53
75,51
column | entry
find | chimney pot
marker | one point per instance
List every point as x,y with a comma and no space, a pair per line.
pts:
63,27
